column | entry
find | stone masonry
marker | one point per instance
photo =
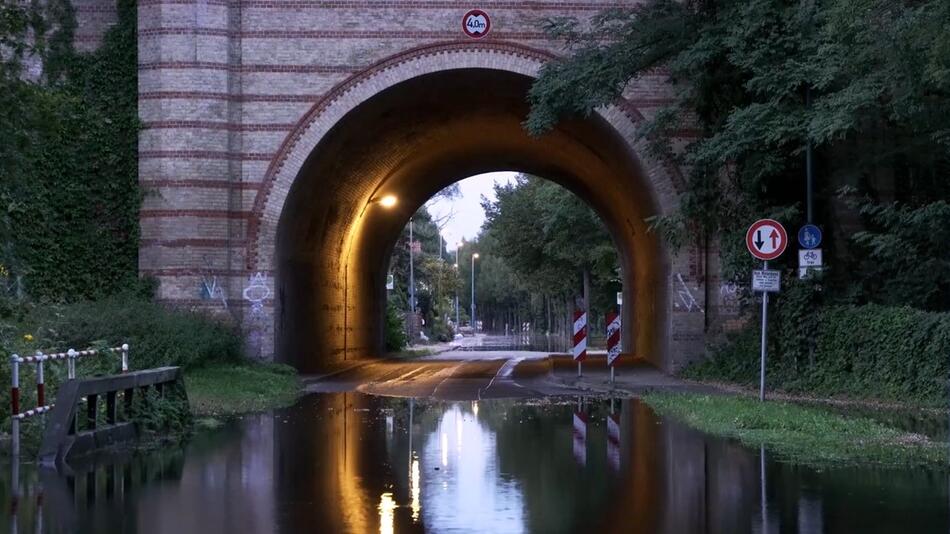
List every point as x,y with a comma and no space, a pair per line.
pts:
234,95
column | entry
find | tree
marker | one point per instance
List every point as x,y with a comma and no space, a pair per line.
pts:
543,248
866,82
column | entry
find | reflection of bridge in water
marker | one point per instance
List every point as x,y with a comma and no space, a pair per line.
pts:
349,463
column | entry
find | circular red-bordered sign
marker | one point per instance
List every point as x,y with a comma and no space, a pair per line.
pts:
476,24
766,239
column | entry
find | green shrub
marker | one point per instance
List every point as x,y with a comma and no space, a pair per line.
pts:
395,329
871,351
156,335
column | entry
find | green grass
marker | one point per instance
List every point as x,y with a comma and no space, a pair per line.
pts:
416,352
226,389
800,434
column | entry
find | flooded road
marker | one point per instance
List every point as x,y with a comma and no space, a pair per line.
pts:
351,462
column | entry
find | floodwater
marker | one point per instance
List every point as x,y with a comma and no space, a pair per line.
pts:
347,462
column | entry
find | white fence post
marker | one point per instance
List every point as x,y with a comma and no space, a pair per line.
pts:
71,364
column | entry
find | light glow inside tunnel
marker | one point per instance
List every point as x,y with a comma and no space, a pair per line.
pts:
334,239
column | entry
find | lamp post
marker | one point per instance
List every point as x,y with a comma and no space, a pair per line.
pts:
412,285
457,247
474,324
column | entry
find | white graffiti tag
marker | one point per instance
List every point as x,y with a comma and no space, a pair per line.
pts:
257,292
686,297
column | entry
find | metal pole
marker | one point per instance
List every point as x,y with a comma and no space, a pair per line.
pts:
809,168
611,374
125,357
40,381
762,497
765,324
473,296
71,364
15,407
457,323
412,284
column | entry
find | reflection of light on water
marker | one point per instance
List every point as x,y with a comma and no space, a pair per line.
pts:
472,496
445,449
414,490
386,516
475,408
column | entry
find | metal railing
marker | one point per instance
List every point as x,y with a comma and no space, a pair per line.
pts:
38,359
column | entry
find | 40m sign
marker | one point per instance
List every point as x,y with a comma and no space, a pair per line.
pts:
476,24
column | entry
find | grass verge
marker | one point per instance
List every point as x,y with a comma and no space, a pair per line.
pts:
800,434
408,354
227,389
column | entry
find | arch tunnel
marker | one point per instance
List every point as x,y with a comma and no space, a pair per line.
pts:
412,139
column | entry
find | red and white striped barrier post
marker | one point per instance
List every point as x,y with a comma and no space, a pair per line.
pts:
613,341
15,406
580,338
40,382
41,407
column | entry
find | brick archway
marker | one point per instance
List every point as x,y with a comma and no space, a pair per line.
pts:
655,333
311,128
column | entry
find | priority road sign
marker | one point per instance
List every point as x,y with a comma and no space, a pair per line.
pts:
809,236
766,239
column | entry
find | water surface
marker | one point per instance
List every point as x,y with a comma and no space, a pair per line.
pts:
346,462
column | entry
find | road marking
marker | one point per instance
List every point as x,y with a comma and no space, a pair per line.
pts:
504,372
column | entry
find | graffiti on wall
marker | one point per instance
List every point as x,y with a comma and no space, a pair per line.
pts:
209,288
684,296
256,292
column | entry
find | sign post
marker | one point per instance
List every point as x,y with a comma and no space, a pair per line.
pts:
766,240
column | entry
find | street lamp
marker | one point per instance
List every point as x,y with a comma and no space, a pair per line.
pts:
387,201
474,324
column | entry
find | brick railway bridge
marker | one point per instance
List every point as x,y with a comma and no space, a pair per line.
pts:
270,126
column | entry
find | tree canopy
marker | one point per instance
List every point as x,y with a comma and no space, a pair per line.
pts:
865,82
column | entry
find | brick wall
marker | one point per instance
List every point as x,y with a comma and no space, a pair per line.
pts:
234,95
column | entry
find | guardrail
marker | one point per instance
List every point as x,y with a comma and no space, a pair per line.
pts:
64,436
70,356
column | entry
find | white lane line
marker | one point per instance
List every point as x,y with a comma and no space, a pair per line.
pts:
450,371
504,372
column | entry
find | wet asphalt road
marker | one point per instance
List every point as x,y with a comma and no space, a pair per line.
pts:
451,376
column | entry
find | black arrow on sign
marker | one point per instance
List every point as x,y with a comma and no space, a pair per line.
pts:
758,239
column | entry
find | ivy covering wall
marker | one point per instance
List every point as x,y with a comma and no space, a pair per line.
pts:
69,194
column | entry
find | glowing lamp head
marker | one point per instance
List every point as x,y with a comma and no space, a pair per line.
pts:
475,255
388,201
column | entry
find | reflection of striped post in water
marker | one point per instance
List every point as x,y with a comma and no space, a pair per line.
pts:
580,338
580,435
613,441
